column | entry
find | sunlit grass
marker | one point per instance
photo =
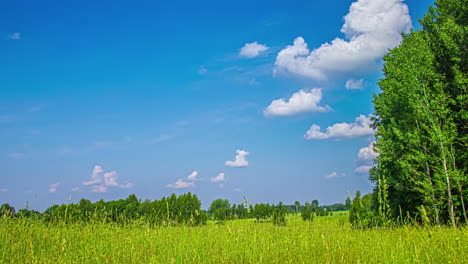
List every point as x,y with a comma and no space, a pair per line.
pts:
325,240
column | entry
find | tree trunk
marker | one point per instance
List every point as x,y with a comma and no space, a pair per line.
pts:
460,189
429,179
449,191
463,203
434,201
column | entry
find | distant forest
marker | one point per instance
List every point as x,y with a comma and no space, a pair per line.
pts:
175,210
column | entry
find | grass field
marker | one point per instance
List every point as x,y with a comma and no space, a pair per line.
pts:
325,240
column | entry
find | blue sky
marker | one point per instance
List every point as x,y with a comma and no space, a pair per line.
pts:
101,100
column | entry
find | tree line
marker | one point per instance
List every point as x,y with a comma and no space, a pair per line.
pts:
221,210
174,210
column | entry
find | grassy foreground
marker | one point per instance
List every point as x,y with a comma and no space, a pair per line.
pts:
326,240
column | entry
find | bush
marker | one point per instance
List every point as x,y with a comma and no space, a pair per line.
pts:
279,215
307,212
361,215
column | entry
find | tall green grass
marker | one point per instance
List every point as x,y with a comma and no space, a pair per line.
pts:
325,240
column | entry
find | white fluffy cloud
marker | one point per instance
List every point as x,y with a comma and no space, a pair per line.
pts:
342,130
354,84
371,28
193,176
100,182
53,187
95,176
240,159
218,178
300,102
110,179
252,50
334,175
181,184
363,169
367,153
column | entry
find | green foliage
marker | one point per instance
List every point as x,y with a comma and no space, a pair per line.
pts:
361,214
7,211
421,117
175,210
334,207
25,213
297,206
201,217
357,212
279,215
220,209
322,212
240,212
348,203
262,212
307,212
221,214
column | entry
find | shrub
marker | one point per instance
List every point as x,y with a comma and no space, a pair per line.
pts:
307,212
279,215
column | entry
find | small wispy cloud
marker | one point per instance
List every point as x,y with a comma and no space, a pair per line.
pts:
100,181
95,176
367,153
53,187
65,150
363,169
334,175
240,160
202,70
161,138
3,190
15,36
193,176
354,84
361,127
99,189
218,178
181,184
252,50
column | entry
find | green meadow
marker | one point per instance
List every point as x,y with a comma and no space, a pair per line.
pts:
328,239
